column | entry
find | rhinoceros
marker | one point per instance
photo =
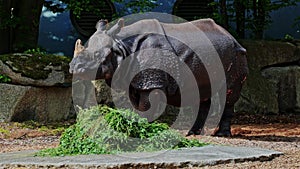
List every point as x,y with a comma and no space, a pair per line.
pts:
107,48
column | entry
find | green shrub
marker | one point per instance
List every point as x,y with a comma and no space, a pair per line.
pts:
37,51
4,79
104,130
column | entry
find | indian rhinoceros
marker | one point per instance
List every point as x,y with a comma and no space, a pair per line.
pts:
107,48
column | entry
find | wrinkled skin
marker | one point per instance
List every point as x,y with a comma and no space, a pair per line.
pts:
103,53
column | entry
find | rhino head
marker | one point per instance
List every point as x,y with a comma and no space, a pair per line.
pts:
94,60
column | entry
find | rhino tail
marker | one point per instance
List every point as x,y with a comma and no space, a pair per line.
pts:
241,51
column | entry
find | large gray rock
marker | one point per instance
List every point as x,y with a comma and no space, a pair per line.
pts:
259,94
26,69
286,83
265,53
21,103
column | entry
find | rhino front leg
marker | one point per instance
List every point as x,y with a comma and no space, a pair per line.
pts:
144,102
151,104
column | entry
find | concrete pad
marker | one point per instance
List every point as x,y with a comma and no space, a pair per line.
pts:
188,157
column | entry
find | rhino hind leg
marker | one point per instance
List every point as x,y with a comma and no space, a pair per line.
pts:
232,97
201,118
224,129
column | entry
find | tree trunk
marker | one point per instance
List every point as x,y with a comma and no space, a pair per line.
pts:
23,33
240,18
5,43
224,16
261,17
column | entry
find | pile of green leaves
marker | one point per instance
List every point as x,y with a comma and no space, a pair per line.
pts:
104,130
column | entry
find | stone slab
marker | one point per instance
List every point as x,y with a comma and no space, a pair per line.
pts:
188,157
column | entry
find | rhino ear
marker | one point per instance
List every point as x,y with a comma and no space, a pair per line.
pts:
78,47
101,25
116,28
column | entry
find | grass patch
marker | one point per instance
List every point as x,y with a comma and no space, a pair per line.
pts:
4,131
50,128
104,130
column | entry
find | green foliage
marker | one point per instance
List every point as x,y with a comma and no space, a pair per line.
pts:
297,23
189,143
253,15
4,131
4,79
139,6
37,51
86,5
74,141
131,124
78,7
104,130
288,37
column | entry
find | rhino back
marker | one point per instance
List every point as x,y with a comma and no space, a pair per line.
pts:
225,45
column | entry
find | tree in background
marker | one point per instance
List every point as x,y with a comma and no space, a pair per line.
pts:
253,15
19,24
19,19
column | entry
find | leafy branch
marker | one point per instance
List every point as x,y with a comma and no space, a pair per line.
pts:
253,15
77,7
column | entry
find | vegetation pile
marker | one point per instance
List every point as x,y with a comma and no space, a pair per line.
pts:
104,130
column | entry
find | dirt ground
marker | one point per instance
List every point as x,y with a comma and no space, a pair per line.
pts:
270,131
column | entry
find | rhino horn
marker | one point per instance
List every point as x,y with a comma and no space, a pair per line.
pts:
116,28
101,25
78,47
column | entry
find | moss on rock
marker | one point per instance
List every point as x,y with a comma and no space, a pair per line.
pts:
36,66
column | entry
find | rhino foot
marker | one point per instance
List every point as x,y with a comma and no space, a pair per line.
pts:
223,133
193,132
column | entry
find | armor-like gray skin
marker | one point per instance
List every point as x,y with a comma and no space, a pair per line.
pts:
106,49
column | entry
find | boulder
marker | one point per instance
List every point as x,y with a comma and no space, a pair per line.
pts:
263,53
286,83
36,70
22,103
260,94
39,90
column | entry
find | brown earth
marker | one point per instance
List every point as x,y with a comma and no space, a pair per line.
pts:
270,131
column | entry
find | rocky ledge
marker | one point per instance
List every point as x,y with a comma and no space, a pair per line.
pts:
39,89
36,70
